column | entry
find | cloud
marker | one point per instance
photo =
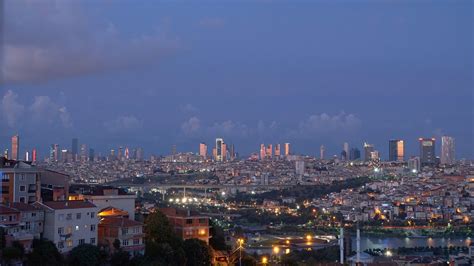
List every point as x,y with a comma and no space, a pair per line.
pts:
11,109
211,22
321,124
191,126
123,123
188,108
56,39
44,110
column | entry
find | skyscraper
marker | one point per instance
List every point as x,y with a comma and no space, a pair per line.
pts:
83,153
277,150
346,150
368,149
287,149
224,152
354,154
74,148
269,152
15,147
262,151
322,150
203,150
91,155
396,150
140,154
219,154
427,151
33,155
232,152
447,150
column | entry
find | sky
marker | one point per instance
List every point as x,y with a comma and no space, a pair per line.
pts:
156,73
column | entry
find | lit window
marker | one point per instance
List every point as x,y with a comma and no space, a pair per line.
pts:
77,227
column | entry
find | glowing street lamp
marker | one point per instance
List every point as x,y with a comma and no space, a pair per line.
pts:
264,260
241,242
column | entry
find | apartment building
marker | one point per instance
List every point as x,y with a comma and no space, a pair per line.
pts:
128,232
20,182
188,224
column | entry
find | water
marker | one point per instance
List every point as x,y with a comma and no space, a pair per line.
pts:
396,242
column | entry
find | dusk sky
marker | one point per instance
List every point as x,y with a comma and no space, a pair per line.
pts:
157,73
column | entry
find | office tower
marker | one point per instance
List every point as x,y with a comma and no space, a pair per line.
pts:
368,149
127,153
214,153
269,151
203,150
34,155
219,153
277,150
346,150
224,152
322,150
396,150
427,151
64,156
344,156
91,155
55,152
140,154
15,147
262,151
414,164
354,154
83,153
5,154
287,149
74,148
120,153
27,156
232,152
447,150
173,149
112,154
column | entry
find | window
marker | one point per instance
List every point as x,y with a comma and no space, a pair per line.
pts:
125,242
124,231
77,227
33,214
189,221
93,241
69,243
202,221
22,177
69,230
136,241
22,188
69,216
61,230
81,241
22,199
92,214
61,217
60,245
92,227
78,216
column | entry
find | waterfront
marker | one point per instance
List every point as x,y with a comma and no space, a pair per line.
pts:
396,242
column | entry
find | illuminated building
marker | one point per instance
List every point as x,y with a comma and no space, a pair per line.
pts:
34,155
287,149
214,153
74,148
368,149
188,224
299,169
322,149
277,150
262,151
27,156
83,153
127,153
15,147
120,153
396,150
414,164
5,154
128,232
203,150
219,152
269,151
447,150
224,152
427,151
346,150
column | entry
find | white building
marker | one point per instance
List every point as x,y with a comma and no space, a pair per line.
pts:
70,223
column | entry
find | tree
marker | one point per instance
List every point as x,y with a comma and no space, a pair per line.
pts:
11,253
120,258
85,255
197,252
217,241
44,253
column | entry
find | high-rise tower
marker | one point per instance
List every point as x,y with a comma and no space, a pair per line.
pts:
15,147
427,151
447,150
396,150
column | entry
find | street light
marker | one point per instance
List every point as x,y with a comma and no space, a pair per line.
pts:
264,260
241,242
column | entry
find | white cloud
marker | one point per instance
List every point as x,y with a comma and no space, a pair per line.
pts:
123,123
325,123
11,109
191,126
44,110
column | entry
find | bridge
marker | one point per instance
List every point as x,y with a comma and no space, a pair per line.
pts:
205,186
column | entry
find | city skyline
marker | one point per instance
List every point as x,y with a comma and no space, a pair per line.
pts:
281,73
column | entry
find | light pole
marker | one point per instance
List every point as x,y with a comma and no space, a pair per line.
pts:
276,250
241,242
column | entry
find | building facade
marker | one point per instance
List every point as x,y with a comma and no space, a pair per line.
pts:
188,224
447,150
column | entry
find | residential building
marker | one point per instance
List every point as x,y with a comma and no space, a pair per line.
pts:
70,223
20,181
128,232
188,224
